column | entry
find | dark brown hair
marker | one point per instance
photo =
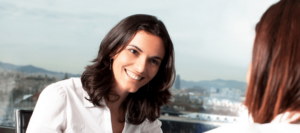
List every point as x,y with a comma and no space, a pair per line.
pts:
274,85
97,79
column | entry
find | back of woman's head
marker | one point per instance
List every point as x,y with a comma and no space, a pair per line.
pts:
274,85
98,79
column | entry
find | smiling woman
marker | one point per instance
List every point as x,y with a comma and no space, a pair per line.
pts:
122,91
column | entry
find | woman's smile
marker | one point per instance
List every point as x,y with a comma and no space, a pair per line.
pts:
133,75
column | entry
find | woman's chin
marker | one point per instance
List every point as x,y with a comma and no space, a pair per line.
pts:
133,90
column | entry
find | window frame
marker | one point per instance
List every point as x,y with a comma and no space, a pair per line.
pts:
7,129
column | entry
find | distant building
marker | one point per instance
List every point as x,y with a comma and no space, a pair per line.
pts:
177,82
66,76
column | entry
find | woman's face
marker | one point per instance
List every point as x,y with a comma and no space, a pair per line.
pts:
138,62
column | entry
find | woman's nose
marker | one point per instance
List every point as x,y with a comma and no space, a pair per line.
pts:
141,65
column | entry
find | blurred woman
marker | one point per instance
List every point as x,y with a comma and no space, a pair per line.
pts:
273,93
122,91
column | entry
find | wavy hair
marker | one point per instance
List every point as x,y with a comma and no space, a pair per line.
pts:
97,79
274,85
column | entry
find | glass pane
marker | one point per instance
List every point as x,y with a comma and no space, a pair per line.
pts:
19,90
42,42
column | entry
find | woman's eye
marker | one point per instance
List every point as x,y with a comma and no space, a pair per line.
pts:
154,62
133,51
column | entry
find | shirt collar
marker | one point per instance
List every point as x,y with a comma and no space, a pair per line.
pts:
87,103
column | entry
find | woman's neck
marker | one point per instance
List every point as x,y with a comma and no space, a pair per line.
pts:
116,105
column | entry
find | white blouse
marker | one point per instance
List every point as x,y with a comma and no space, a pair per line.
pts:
62,108
280,124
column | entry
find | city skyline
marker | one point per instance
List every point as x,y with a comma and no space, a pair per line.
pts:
33,70
212,39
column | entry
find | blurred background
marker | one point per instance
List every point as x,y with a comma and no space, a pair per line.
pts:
44,41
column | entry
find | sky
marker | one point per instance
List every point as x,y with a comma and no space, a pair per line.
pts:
212,38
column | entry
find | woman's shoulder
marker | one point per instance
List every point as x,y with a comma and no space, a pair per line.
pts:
257,128
64,86
71,83
51,107
53,90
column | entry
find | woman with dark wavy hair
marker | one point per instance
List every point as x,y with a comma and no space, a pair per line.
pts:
273,93
122,91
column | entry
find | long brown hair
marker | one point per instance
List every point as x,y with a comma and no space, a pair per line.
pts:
274,85
97,79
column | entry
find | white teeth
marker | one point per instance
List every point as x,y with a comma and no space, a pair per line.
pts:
132,75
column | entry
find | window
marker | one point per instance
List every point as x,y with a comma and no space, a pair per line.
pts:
46,41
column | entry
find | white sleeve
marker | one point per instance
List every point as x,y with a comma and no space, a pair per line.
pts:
49,113
153,127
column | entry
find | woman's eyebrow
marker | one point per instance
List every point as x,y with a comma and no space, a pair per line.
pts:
156,57
136,47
